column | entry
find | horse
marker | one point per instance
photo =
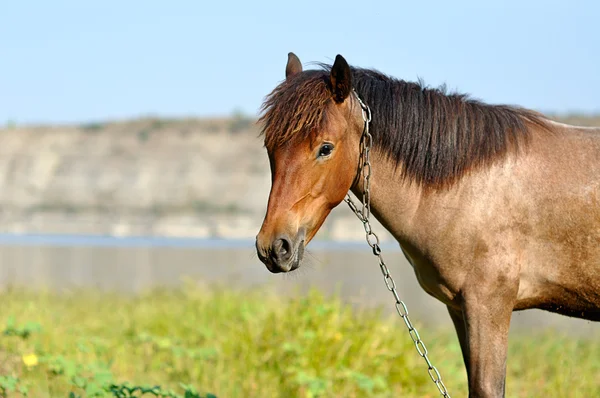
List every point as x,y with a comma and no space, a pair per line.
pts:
496,207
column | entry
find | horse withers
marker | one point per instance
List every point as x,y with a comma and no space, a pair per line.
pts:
496,207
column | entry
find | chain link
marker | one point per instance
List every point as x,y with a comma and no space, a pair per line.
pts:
363,215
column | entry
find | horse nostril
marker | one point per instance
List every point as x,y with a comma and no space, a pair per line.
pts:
282,249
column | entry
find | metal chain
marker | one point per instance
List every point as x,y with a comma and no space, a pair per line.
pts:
363,215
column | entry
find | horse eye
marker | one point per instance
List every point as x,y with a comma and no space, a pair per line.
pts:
325,150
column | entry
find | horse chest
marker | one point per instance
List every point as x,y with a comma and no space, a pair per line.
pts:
432,279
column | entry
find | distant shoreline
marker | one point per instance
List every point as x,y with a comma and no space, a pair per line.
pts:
161,241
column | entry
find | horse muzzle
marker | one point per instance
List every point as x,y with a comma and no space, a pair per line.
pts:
282,254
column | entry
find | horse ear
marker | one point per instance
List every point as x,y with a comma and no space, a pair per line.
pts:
341,79
293,67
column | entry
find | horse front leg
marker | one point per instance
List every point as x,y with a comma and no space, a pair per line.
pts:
461,331
487,321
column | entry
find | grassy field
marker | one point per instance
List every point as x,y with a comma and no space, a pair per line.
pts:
195,342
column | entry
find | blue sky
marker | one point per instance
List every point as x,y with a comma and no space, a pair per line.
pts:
76,61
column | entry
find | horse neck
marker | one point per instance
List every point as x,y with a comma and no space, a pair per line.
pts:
394,200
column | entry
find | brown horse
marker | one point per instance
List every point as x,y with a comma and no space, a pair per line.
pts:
497,208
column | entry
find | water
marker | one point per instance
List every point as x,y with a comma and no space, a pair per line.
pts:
156,241
134,264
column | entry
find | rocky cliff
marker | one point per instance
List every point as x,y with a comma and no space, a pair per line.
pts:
144,177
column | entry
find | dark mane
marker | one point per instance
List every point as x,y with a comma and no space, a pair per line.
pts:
434,136
295,108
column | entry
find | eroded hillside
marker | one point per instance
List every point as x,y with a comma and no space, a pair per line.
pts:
145,177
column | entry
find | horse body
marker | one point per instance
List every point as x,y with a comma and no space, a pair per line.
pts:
533,219
496,208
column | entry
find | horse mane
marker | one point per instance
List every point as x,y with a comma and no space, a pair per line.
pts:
436,137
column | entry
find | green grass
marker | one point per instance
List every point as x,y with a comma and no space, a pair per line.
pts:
252,344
